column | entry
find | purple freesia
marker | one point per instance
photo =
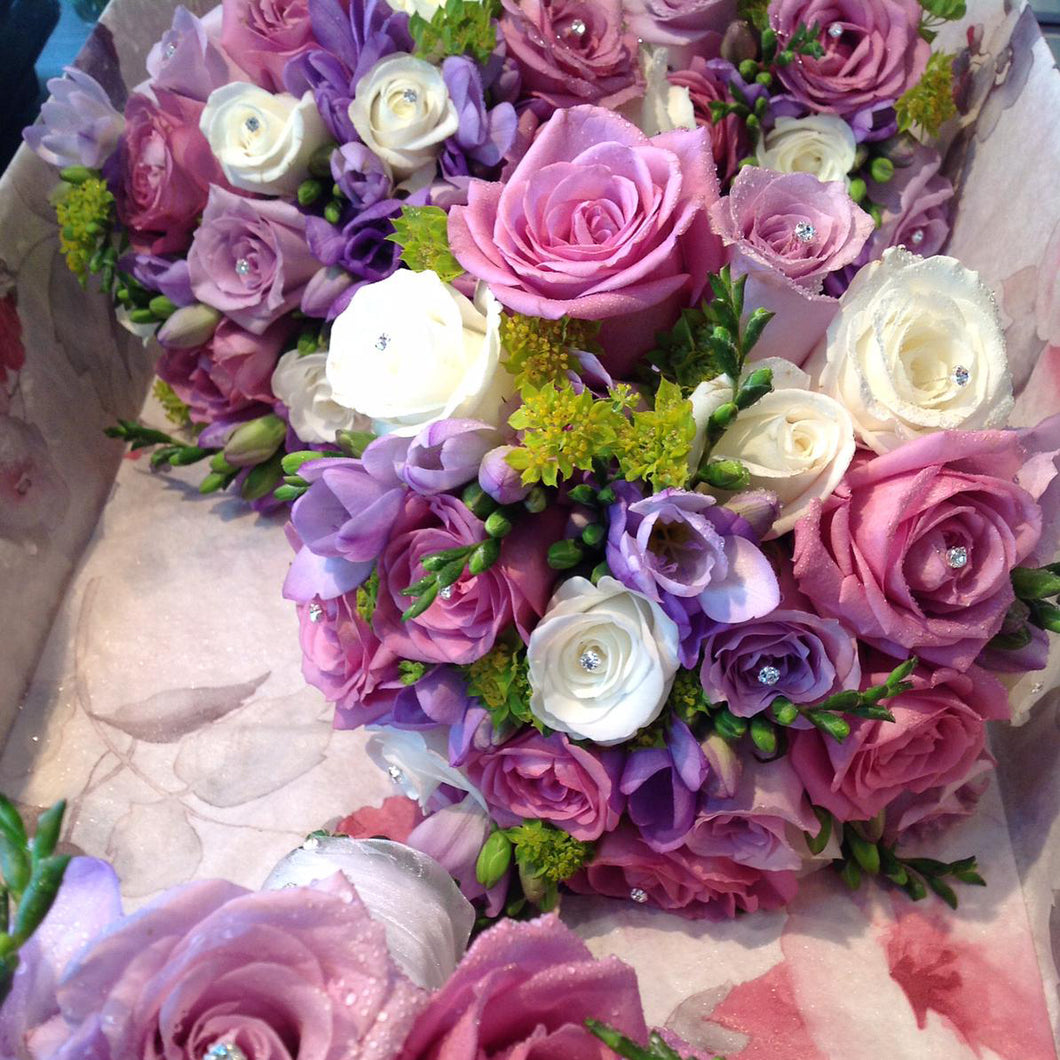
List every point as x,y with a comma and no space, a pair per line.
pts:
351,42
483,137
662,784
363,177
249,258
499,479
447,454
89,900
344,521
78,126
692,556
170,278
186,61
788,653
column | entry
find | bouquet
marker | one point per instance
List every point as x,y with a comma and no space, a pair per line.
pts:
652,486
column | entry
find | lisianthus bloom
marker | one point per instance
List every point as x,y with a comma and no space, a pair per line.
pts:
938,734
699,888
914,549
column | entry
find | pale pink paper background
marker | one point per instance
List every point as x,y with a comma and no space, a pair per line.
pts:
168,705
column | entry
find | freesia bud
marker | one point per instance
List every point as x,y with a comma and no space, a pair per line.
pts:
191,326
499,479
254,442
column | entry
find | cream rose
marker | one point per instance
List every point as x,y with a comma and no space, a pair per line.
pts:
402,111
426,9
821,144
706,398
917,347
664,107
301,383
601,661
410,350
263,141
795,442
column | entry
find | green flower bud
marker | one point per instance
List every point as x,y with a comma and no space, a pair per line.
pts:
606,496
142,316
728,725
498,524
564,554
261,480
763,735
536,500
858,189
309,191
723,415
293,462
320,161
255,441
494,859
214,481
725,475
783,710
881,170
333,212
78,174
594,534
478,501
865,853
162,307
222,466
582,494
748,69
1035,583
484,556
354,443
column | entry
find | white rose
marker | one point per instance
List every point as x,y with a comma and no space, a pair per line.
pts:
917,347
301,383
795,442
410,350
708,396
664,107
601,661
402,111
821,144
263,141
426,9
418,763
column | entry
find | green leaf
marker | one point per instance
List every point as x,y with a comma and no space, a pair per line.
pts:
943,890
756,324
49,824
14,864
818,842
11,822
423,235
39,895
1035,583
422,603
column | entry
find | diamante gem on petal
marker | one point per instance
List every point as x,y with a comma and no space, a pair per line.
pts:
805,232
639,895
242,267
768,675
590,661
957,556
961,375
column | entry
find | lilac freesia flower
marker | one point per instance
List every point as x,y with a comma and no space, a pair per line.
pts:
499,479
323,295
352,42
363,176
788,653
170,278
343,521
483,137
185,60
78,125
690,555
446,454
662,786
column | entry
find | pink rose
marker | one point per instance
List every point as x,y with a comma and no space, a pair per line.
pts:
877,56
573,51
551,779
211,963
462,626
936,738
913,550
344,659
790,223
524,992
699,888
596,221
250,259
916,204
706,82
166,168
262,36
230,373
678,22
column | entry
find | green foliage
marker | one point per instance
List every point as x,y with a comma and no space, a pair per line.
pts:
32,875
542,351
368,595
86,218
687,699
626,1047
547,855
422,234
170,450
501,681
176,411
411,671
655,445
754,11
929,103
461,27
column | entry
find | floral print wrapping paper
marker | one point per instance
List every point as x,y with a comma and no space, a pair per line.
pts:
149,668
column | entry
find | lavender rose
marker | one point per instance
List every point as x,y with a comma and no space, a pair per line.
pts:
788,653
549,778
916,204
877,54
913,550
678,22
213,964
263,36
935,740
790,223
699,888
507,999
591,247
186,61
249,258
573,51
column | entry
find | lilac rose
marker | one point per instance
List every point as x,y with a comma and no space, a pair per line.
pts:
788,653
916,205
678,22
186,61
596,221
790,223
210,964
263,36
249,258
573,51
873,52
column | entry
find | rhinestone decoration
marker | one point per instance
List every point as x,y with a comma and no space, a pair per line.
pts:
805,232
957,556
590,661
410,95
382,342
224,1051
835,31
242,267
639,895
961,375
578,27
252,124
917,237
170,50
768,675
315,611
446,593
395,774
